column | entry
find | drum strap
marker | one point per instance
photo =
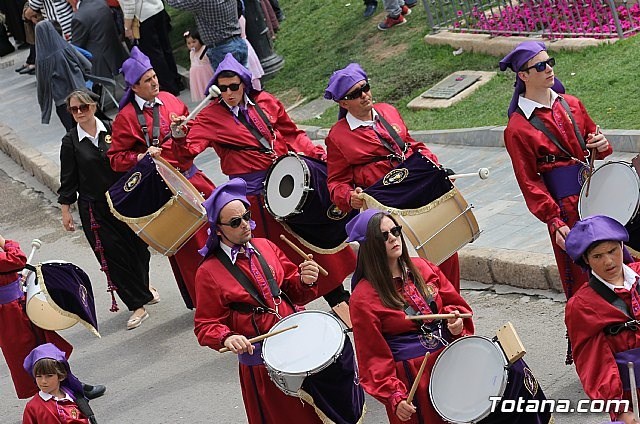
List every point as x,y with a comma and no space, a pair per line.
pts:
155,131
612,298
394,135
266,146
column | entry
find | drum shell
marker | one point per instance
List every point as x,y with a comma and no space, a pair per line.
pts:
40,311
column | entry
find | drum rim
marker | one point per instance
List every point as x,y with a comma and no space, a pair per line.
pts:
502,388
305,194
637,179
188,184
313,370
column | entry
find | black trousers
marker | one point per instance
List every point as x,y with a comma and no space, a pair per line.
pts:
154,42
127,256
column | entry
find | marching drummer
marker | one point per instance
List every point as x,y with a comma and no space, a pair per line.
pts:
143,125
390,286
366,144
249,130
602,316
18,336
550,138
245,286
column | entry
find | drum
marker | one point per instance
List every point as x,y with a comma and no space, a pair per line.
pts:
614,191
435,217
296,194
59,295
483,367
159,204
312,347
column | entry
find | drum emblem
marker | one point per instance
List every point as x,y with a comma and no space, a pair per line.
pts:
335,213
133,181
107,139
530,382
82,292
395,176
583,175
428,341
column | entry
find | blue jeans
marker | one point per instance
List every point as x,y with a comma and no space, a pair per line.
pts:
236,46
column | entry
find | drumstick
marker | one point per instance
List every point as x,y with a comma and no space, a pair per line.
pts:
483,173
414,386
301,253
634,390
262,337
592,159
35,245
437,316
214,91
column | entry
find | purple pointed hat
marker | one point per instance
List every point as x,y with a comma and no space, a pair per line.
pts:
234,189
230,63
357,227
590,230
133,69
49,350
341,81
515,60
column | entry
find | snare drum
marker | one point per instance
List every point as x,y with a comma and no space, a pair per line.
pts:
159,204
614,191
293,355
296,194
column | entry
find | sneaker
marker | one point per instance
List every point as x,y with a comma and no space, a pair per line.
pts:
411,4
405,10
391,22
370,10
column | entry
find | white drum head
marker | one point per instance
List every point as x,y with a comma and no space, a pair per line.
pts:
614,191
286,186
307,349
180,185
464,376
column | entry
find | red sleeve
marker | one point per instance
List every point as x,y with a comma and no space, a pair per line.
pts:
12,258
126,142
298,292
339,174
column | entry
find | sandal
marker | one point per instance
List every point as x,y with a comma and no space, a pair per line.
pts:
135,321
156,296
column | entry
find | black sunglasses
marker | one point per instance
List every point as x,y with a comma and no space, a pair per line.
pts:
232,87
541,66
235,222
78,109
396,231
357,93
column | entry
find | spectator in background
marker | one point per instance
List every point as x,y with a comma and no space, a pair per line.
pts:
200,72
148,22
396,12
93,29
12,10
31,18
218,26
370,8
55,10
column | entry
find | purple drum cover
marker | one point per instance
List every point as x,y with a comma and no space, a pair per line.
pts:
622,359
414,183
141,191
70,288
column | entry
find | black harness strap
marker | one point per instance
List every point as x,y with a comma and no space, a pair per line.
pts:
266,146
607,294
155,130
394,135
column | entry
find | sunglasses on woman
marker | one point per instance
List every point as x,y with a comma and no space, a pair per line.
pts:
357,93
396,231
541,66
77,109
235,222
232,87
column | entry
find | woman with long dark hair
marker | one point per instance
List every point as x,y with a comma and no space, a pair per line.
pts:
85,176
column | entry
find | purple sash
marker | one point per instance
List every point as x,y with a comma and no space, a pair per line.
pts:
254,180
411,345
190,172
622,359
252,360
565,181
10,292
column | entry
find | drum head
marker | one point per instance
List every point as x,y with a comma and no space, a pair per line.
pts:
307,349
614,191
464,376
286,186
180,185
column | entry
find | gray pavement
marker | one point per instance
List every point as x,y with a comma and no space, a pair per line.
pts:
513,248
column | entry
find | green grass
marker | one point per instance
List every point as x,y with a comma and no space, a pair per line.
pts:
320,36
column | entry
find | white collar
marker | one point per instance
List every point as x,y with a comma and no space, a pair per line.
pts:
356,123
99,128
528,105
140,101
630,277
227,249
48,396
236,109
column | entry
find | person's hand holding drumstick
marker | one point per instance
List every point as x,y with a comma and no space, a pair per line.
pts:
154,152
455,325
356,201
309,271
239,344
596,140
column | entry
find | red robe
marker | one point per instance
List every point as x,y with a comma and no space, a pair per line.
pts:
350,156
128,141
586,315
380,375
39,411
215,126
18,336
526,145
215,321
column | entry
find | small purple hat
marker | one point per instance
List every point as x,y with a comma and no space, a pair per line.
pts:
515,60
590,230
234,189
357,227
341,82
133,69
230,63
49,350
